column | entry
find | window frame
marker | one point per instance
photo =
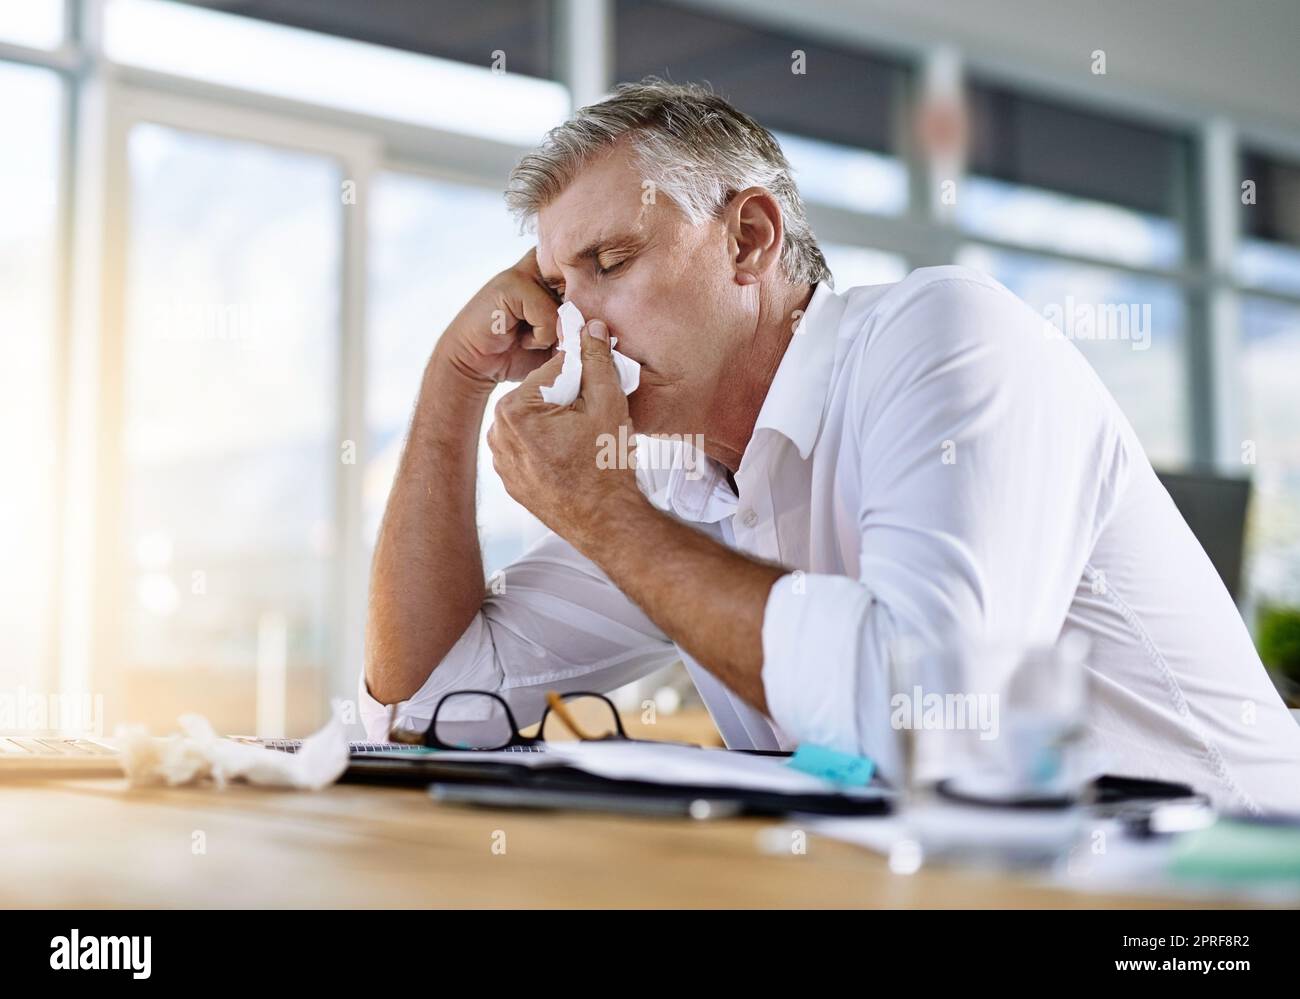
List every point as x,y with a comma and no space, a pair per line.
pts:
355,153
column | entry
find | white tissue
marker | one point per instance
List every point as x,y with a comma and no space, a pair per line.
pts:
200,753
566,386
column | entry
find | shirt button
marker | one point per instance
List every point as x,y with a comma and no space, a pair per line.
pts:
749,518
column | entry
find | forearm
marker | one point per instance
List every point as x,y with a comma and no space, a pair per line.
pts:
706,597
426,581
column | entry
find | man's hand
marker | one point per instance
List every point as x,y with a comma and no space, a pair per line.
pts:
426,580
556,461
506,330
564,463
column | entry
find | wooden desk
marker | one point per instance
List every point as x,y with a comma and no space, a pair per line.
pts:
97,842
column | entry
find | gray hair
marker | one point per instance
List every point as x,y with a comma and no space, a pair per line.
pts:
695,148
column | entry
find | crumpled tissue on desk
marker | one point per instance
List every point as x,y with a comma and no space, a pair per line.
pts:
198,753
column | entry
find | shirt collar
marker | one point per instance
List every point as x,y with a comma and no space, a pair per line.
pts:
797,396
793,408
704,495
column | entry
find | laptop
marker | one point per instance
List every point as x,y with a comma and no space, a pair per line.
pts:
36,756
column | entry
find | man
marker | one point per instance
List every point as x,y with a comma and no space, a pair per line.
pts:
911,462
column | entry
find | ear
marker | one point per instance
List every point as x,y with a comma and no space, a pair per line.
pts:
755,234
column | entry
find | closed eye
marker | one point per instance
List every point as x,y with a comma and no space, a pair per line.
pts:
612,268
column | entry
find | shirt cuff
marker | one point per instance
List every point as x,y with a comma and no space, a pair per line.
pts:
374,716
812,635
468,664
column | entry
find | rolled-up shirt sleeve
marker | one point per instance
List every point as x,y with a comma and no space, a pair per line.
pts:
552,621
980,465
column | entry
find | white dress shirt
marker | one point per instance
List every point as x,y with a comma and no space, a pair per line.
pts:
934,464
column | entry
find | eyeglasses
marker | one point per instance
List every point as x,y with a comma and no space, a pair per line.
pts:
482,720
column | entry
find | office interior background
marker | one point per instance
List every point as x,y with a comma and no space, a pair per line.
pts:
233,230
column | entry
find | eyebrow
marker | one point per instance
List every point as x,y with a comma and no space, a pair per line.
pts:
593,250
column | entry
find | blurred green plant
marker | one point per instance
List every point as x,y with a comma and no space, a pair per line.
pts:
1277,636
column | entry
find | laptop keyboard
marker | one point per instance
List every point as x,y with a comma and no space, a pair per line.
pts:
16,745
292,745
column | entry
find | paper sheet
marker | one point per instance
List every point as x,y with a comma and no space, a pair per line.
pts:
198,753
668,763
566,386
665,763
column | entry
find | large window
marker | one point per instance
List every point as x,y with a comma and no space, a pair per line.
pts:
1055,177
852,266
1269,255
38,23
470,98
857,179
29,172
230,422
1069,179
835,111
1049,220
1130,328
1268,259
1271,449
467,31
432,245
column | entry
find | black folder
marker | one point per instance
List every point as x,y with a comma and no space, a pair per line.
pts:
420,770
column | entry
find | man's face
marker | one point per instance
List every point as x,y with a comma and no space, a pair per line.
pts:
664,287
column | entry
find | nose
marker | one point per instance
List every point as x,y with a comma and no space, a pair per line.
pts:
585,296
587,305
